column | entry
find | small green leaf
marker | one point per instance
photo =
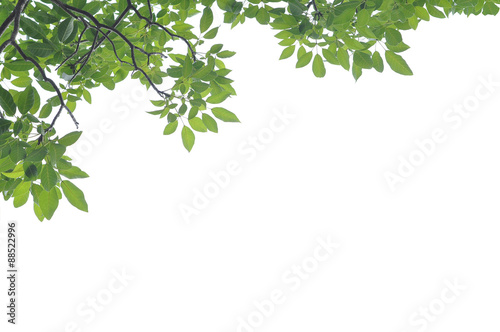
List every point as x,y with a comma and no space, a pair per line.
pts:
170,128
206,19
73,173
199,86
490,9
356,71
330,56
224,115
218,98
433,11
393,36
74,195
318,66
7,102
422,13
19,65
225,54
70,139
48,202
397,63
304,60
187,138
378,63
48,177
343,58
26,100
363,60
42,50
209,122
37,155
65,30
263,16
197,124
212,33
287,52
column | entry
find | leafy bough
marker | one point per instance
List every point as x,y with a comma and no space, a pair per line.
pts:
69,47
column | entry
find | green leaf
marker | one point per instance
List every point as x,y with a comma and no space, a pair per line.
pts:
397,63
318,66
206,19
363,60
433,11
356,71
199,86
42,50
31,28
22,82
263,16
212,33
343,58
19,65
378,63
17,151
188,66
187,138
70,139
38,212
26,100
48,202
65,30
422,13
73,173
7,102
490,9
224,115
393,36
37,155
197,124
48,177
56,151
304,60
330,56
170,128
21,199
218,98
31,171
225,54
209,122
287,52
74,195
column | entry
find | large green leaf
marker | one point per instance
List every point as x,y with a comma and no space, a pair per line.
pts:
7,102
48,202
74,195
206,19
397,63
65,30
187,138
26,100
48,177
70,139
318,66
224,115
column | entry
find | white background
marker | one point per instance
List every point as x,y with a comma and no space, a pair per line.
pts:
321,176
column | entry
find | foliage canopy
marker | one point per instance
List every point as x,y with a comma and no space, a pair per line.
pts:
68,47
